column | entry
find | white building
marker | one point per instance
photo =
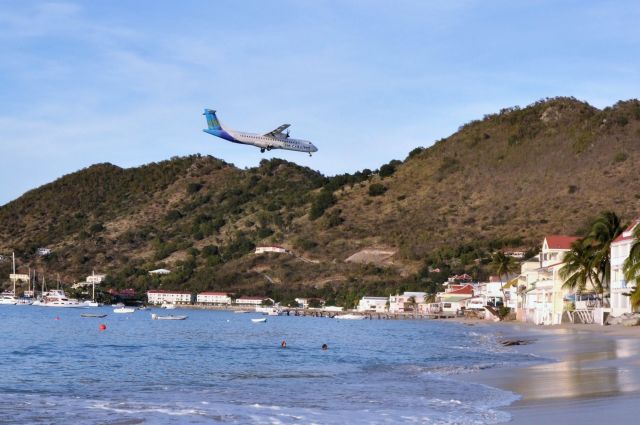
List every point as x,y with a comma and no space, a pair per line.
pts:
302,302
169,297
375,304
620,289
252,301
400,303
263,249
543,302
159,272
96,279
43,252
217,298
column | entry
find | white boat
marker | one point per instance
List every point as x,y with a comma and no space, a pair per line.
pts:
93,315
8,299
25,301
90,304
169,317
168,306
262,320
349,317
57,298
124,310
241,311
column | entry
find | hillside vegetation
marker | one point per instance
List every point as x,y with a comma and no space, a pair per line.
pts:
500,182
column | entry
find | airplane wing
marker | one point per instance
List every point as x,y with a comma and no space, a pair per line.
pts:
278,131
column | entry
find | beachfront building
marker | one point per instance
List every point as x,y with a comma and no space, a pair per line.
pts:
620,288
170,297
253,301
373,304
213,298
454,297
409,301
544,296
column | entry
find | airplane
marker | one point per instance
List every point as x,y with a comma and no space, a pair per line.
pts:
276,139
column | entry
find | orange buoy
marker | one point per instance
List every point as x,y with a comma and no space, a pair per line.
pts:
103,327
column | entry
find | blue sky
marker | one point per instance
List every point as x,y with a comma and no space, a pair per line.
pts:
366,81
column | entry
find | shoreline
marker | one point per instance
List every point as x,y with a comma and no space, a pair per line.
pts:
586,373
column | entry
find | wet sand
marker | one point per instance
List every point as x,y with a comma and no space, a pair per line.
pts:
593,375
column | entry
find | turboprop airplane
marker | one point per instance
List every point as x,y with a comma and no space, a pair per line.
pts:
276,139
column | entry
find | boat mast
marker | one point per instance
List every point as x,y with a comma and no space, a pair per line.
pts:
14,273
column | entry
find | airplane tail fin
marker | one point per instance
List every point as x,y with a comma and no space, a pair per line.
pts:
212,120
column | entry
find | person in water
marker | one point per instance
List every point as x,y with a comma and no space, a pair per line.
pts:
325,347
283,344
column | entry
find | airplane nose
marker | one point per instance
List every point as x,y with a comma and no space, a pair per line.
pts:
313,148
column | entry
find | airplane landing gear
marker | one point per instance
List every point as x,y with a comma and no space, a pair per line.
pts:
261,150
268,148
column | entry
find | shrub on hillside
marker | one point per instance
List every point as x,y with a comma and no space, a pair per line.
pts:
322,201
376,189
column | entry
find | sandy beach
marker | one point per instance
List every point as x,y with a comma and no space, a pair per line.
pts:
588,373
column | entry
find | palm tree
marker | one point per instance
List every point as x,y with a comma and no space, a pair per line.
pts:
604,230
503,265
632,268
578,269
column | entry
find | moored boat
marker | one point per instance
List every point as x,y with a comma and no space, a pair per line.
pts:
124,310
57,298
349,317
169,317
262,320
93,315
7,298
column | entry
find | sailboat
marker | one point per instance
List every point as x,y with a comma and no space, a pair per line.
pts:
8,297
93,302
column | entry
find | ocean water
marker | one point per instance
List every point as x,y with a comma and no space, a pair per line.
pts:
219,367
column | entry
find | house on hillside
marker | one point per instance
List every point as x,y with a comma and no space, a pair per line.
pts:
159,272
621,289
273,248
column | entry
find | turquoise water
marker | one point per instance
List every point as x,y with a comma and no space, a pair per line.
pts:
219,367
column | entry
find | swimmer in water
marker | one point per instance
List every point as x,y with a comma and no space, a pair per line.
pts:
325,347
283,344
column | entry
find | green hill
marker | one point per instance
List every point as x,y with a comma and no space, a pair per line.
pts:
503,181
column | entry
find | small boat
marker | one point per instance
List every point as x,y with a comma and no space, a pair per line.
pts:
262,320
241,311
90,304
169,317
349,317
124,310
93,315
168,306
8,299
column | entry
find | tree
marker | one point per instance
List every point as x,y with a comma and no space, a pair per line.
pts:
604,230
503,265
632,268
578,269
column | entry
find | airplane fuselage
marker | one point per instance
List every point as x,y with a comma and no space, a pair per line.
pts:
276,139
264,142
